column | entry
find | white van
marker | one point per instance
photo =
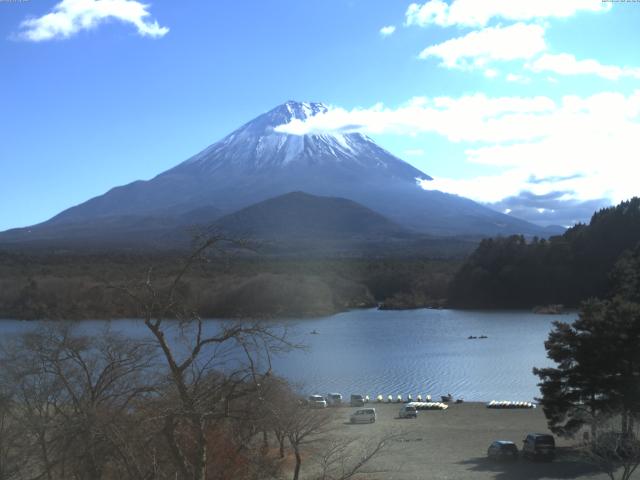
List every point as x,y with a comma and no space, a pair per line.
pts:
365,415
317,401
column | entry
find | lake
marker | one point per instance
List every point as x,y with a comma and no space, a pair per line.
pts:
414,352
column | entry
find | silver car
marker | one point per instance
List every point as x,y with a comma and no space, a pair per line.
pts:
408,411
365,415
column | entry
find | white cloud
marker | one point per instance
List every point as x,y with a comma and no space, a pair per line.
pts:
476,13
478,48
521,42
484,188
470,118
586,146
388,30
552,208
515,78
491,73
71,16
414,152
567,64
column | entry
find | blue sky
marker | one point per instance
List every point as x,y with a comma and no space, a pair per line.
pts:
532,107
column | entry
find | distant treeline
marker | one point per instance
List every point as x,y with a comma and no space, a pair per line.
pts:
512,272
85,286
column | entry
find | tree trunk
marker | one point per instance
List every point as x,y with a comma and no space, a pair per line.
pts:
45,455
296,472
281,438
178,458
200,472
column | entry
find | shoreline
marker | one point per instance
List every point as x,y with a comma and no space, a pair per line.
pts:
308,316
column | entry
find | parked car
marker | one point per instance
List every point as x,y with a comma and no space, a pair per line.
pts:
408,411
317,401
357,400
502,450
539,446
334,399
365,415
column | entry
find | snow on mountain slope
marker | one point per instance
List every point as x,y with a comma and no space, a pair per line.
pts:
256,146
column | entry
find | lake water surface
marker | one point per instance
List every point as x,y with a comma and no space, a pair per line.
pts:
404,352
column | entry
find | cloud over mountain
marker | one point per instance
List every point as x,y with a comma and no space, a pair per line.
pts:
552,208
583,145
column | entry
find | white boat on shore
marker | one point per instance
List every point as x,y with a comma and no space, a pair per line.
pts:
506,404
429,405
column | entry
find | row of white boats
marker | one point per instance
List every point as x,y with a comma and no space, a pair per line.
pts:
429,405
399,399
425,403
420,402
509,404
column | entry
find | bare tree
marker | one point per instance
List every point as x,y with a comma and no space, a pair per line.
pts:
343,459
208,368
187,402
10,461
303,426
277,399
35,396
615,452
74,397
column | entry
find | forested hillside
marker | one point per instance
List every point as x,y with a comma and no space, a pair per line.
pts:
512,272
80,286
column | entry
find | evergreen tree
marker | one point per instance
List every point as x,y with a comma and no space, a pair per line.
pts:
512,272
598,359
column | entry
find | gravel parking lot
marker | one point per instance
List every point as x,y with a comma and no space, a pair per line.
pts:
452,444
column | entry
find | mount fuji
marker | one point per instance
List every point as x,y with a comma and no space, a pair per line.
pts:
255,163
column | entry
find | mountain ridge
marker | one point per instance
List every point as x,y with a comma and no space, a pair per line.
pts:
254,163
299,214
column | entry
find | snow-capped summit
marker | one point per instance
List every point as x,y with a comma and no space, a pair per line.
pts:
257,146
283,114
303,110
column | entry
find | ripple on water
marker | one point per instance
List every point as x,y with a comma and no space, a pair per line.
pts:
423,351
413,352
